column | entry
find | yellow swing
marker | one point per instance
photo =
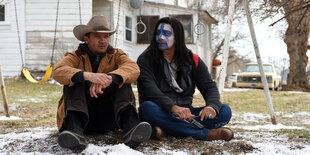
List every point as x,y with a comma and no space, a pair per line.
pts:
49,69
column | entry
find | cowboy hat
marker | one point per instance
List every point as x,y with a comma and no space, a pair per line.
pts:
95,24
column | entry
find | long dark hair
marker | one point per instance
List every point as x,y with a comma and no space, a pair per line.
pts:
181,51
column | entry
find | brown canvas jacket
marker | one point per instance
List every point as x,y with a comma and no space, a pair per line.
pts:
115,62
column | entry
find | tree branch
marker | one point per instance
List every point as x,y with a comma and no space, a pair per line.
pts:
288,14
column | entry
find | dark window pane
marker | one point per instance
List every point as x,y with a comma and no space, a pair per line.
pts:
186,21
128,35
2,12
128,28
128,22
150,22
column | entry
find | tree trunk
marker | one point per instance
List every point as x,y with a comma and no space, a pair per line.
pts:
296,39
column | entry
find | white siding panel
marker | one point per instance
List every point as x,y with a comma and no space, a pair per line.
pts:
10,58
40,26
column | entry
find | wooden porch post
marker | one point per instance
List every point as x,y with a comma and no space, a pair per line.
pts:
3,91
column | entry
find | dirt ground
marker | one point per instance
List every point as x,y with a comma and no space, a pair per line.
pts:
36,133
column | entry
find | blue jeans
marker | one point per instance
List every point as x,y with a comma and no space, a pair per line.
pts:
179,128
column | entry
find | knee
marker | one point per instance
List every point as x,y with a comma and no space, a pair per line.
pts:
147,106
226,112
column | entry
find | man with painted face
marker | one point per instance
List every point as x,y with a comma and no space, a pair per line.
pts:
169,74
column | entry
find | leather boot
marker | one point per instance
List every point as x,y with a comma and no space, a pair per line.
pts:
221,134
158,133
135,132
72,135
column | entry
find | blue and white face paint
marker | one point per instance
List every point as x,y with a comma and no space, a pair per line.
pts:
164,36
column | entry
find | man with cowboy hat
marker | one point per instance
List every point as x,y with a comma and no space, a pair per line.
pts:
97,95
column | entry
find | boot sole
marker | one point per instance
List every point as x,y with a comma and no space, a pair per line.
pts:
69,140
139,134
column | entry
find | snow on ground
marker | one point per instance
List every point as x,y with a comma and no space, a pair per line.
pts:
35,100
44,141
4,118
237,89
260,137
269,143
269,127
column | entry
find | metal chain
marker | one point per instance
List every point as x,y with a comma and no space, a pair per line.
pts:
56,23
199,25
19,42
80,12
119,10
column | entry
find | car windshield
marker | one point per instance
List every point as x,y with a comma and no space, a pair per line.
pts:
254,68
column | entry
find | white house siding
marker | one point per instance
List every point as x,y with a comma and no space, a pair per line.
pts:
132,48
10,58
37,21
40,27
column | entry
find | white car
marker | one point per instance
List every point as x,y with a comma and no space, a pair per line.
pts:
232,80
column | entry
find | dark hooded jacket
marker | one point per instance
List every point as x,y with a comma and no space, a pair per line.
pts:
154,83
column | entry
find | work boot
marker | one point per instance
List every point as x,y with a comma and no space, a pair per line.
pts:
221,134
71,140
72,131
135,132
157,133
138,134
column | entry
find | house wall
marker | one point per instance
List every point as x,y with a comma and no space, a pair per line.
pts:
37,20
40,26
10,58
132,48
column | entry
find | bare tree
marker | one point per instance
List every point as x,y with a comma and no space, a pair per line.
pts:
219,10
297,15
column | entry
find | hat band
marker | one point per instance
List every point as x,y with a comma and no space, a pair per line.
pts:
101,28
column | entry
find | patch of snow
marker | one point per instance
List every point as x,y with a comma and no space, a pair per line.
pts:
110,149
269,143
54,82
304,113
4,118
279,148
295,92
269,127
35,100
250,117
12,107
41,141
236,89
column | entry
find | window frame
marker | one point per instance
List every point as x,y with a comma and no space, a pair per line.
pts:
128,29
4,12
181,18
6,5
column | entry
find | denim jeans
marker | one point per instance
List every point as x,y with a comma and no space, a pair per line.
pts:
179,128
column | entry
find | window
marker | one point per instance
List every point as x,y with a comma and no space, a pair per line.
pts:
2,13
186,21
128,29
150,22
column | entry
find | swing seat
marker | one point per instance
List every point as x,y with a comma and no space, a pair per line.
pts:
47,75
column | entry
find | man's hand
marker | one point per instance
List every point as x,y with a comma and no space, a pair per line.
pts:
182,113
98,78
96,89
99,81
207,113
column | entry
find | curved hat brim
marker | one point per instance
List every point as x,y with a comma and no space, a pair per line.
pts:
80,31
